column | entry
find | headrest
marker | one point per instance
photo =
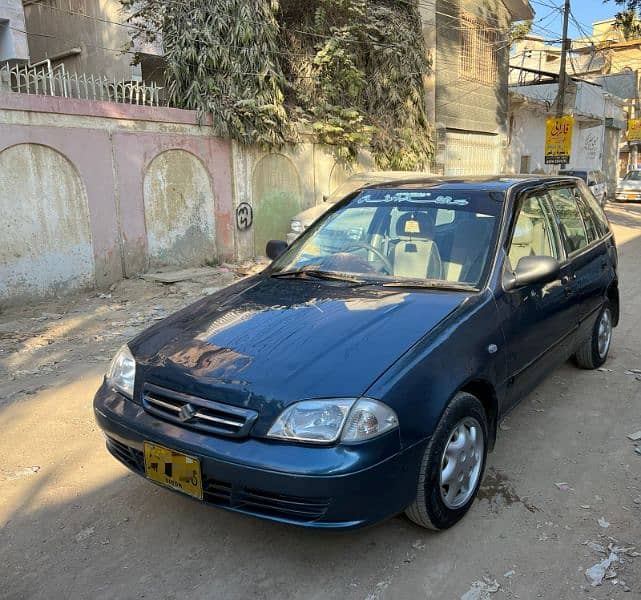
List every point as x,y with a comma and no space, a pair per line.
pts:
413,225
523,232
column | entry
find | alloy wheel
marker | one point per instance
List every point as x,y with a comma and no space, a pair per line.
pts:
461,463
604,335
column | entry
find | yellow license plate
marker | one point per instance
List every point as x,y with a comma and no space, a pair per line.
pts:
173,469
631,196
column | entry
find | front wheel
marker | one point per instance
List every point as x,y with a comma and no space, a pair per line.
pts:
453,464
593,352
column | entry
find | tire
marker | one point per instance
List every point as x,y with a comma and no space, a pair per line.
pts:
430,509
592,353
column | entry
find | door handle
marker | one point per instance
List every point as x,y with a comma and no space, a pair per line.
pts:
604,265
566,282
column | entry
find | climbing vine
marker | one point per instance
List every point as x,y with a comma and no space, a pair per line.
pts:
223,59
350,72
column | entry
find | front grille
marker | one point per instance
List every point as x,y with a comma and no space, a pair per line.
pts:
197,413
227,495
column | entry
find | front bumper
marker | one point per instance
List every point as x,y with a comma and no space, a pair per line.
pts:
323,487
627,196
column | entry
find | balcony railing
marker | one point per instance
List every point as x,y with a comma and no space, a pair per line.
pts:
45,79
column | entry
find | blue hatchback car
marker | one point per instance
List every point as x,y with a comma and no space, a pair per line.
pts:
363,373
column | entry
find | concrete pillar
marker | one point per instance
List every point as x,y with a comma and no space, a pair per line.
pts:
427,11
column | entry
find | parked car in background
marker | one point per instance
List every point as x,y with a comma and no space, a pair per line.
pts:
629,188
305,218
594,179
366,370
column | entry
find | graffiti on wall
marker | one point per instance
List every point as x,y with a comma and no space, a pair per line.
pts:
591,146
244,216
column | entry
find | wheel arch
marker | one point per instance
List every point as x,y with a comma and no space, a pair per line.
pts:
613,298
485,392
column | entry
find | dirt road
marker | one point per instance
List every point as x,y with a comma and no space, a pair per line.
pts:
76,524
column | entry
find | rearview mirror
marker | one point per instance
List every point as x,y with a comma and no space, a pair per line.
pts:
275,248
530,270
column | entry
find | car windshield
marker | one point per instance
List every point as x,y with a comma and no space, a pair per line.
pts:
416,236
633,176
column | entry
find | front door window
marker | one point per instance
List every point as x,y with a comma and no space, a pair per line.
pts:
533,232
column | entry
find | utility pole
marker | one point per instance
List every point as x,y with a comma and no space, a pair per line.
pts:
564,51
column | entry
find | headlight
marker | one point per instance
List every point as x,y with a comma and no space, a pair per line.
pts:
122,372
323,421
296,226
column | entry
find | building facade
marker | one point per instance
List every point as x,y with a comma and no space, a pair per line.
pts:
13,36
599,119
605,57
89,36
470,49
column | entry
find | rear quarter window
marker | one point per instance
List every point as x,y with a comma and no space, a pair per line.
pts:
595,211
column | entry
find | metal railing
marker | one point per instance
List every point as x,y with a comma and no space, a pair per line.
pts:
44,79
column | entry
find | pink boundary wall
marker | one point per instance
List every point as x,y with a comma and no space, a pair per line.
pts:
112,162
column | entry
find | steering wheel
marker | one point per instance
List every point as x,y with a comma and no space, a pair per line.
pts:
388,267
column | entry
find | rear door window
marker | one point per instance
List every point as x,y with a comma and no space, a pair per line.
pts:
570,220
588,219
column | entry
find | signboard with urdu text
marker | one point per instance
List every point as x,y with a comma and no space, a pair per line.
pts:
558,140
634,130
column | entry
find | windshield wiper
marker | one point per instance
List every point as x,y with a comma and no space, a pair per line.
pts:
319,274
314,273
431,284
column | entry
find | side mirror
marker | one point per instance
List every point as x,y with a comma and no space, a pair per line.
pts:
532,269
591,183
275,248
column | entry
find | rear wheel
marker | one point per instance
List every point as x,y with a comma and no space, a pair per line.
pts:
452,466
593,352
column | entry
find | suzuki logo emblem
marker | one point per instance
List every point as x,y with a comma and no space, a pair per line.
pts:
186,412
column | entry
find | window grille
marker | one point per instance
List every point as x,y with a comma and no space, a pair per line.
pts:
481,46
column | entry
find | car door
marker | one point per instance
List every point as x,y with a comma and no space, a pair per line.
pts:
538,319
589,264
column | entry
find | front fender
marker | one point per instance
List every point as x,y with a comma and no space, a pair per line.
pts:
459,350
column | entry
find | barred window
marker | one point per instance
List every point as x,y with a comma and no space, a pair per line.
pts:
68,6
480,49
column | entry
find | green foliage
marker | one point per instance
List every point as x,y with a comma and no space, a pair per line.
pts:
627,20
628,24
357,69
350,71
222,59
519,30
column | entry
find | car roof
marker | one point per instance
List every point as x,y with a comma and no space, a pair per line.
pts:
498,183
386,175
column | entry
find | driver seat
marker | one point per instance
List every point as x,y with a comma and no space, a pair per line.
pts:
416,255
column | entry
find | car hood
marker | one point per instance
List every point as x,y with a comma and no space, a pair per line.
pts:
281,340
629,185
